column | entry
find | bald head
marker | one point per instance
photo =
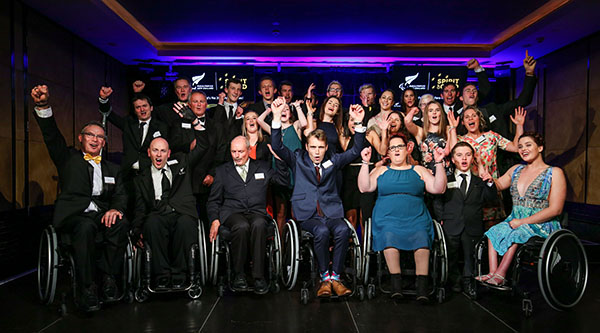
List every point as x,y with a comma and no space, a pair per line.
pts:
159,152
240,150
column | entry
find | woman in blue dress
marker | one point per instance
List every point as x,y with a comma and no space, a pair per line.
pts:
538,194
401,220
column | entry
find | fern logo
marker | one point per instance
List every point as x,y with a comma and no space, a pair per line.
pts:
407,81
196,80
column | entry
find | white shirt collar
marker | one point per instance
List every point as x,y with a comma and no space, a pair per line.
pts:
147,121
246,165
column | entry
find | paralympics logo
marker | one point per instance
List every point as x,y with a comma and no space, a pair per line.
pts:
196,80
407,81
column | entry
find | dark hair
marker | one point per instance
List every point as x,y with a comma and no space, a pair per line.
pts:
535,136
402,127
234,81
404,107
93,123
265,78
140,96
462,144
338,118
450,84
468,84
319,134
285,83
179,78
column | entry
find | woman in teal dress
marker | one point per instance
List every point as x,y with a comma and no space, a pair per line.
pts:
401,220
538,194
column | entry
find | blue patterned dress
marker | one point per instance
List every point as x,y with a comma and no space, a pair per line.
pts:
534,200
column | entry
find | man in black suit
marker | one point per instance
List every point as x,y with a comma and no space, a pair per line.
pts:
165,212
91,202
238,200
367,97
462,214
228,113
266,88
184,134
450,100
183,89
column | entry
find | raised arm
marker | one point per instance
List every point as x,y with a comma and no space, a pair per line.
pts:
262,123
415,130
105,108
367,182
556,201
483,82
451,132
276,141
301,123
434,184
519,121
380,143
357,113
310,122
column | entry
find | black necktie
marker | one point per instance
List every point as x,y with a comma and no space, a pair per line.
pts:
463,184
319,211
166,185
230,112
450,110
142,124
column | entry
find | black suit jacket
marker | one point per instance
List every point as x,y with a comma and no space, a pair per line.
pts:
133,149
259,108
460,212
230,194
217,149
75,177
231,128
181,196
165,113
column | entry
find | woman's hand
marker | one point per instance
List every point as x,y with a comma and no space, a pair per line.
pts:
365,154
519,118
515,223
452,120
384,124
439,154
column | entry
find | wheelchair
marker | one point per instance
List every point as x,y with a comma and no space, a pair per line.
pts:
221,259
559,262
55,254
438,265
298,251
197,266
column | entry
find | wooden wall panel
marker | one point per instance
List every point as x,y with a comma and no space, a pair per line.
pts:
89,68
593,192
6,180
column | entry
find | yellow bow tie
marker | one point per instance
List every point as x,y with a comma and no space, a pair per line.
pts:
96,159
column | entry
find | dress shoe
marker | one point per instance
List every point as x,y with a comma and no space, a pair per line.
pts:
340,289
422,283
88,299
324,289
178,281
396,292
109,288
240,283
162,281
261,286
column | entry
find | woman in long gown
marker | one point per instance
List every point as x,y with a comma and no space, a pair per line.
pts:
538,194
401,220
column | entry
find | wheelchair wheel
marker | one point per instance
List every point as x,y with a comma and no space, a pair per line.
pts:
277,250
47,265
129,265
366,249
290,255
562,270
202,257
214,261
358,258
441,253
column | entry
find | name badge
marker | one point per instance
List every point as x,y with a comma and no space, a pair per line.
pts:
480,139
492,118
452,185
171,162
156,134
259,175
327,164
109,180
186,125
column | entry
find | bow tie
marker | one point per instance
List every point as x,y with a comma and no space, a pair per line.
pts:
201,119
96,159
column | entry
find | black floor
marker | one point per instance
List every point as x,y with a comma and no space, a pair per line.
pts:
20,311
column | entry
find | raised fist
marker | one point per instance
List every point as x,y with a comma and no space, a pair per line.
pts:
40,95
138,86
473,64
222,98
105,92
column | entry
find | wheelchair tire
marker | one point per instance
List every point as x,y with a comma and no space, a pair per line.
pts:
277,248
366,249
442,253
290,254
47,265
361,292
195,292
141,295
202,256
214,261
304,296
371,291
562,270
358,258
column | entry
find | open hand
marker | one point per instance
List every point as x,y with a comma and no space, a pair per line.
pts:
357,112
519,118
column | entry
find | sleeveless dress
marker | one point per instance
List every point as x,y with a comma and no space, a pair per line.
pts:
333,141
400,218
535,199
291,140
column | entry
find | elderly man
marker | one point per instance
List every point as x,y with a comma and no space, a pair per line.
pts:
91,202
238,201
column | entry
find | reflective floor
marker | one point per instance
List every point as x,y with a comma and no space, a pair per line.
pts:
20,311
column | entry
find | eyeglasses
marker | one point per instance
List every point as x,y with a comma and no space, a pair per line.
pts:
335,89
397,147
92,135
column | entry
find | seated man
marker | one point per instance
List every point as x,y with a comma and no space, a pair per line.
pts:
91,201
315,200
165,212
238,200
462,214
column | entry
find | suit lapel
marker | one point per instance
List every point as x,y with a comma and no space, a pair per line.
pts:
234,173
252,166
471,186
148,186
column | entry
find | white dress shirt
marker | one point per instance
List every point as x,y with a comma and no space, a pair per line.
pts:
157,180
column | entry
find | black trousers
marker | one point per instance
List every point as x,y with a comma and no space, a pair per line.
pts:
248,232
170,237
454,243
322,228
90,251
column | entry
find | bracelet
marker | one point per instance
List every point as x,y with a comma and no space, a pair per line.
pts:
440,162
363,162
451,128
310,114
41,106
358,123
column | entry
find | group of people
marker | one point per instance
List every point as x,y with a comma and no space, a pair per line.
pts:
239,166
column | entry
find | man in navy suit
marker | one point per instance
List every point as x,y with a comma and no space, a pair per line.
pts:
315,200
462,214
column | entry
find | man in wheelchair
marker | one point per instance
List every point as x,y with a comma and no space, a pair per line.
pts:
315,200
238,201
91,202
165,215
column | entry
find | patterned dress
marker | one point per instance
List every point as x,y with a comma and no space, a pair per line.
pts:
428,145
534,200
487,146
